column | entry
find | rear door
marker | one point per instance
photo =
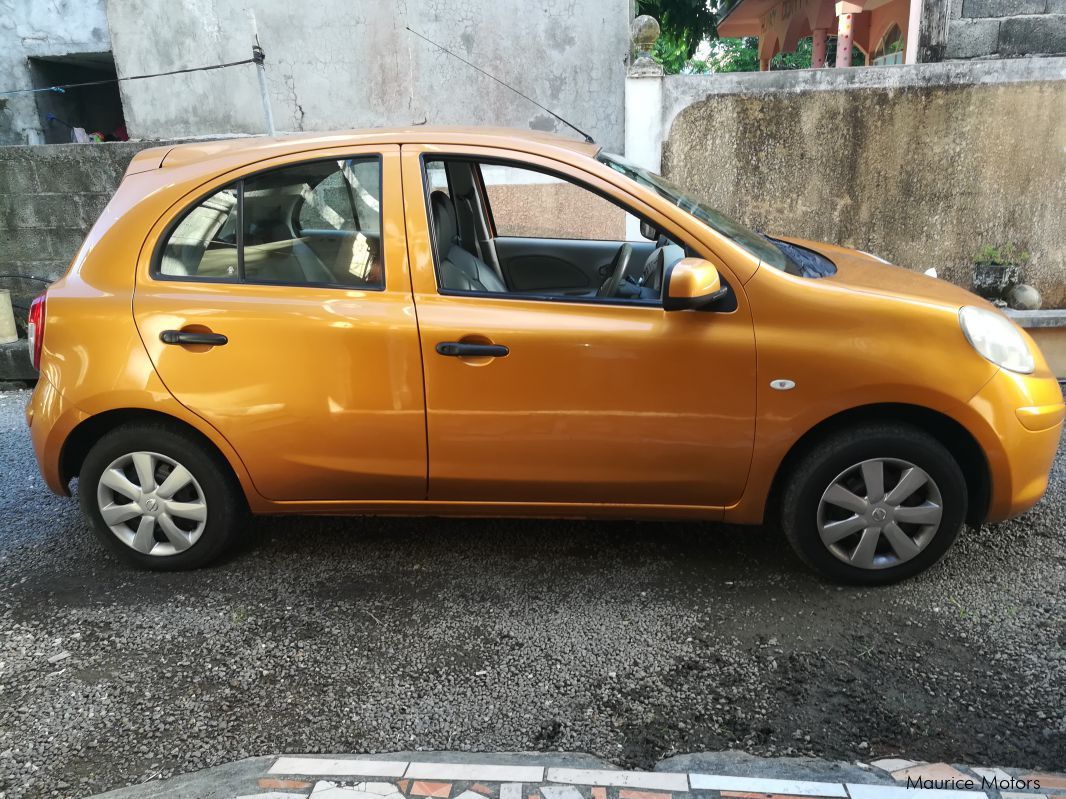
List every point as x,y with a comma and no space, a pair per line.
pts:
318,385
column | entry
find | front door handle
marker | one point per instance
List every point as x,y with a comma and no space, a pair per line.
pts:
188,337
460,349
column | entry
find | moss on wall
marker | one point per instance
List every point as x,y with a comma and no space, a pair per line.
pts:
920,175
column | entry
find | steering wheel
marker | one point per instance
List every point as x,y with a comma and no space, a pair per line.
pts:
618,269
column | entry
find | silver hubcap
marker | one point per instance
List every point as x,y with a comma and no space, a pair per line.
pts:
152,503
879,513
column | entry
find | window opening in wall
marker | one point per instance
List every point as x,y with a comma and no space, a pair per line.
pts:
83,113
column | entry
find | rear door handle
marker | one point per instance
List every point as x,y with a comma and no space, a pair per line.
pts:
459,349
188,337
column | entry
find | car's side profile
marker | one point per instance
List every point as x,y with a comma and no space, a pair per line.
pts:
490,322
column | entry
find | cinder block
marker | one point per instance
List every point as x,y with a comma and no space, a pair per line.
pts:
1045,35
15,361
27,244
64,243
954,9
92,205
79,174
1056,6
47,211
93,168
17,177
23,291
972,38
1002,8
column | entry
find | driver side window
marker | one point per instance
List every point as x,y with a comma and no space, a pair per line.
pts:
531,204
505,229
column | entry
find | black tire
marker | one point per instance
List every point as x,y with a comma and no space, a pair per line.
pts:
818,468
226,505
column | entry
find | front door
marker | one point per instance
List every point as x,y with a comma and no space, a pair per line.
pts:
596,399
318,384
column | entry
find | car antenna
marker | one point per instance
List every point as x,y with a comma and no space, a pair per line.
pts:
588,138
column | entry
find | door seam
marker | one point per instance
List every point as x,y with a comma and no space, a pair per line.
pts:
414,307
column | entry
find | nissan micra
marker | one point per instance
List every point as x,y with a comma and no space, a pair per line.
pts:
495,322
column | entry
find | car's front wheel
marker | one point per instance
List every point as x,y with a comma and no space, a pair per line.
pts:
159,498
874,504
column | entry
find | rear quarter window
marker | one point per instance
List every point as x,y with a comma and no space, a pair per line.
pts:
204,242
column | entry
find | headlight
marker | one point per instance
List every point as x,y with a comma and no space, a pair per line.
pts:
995,337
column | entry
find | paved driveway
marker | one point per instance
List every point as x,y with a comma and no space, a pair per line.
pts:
629,641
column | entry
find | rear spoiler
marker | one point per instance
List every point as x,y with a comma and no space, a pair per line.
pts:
148,159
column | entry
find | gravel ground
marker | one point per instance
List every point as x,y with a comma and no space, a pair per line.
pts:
629,641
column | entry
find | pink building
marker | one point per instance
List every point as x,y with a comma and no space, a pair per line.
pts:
885,31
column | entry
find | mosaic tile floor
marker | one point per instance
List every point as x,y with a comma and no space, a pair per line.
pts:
350,778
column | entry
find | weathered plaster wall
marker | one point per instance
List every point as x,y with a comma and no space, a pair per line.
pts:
36,28
919,164
337,64
1006,28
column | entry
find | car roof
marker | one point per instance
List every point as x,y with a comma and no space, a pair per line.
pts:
255,148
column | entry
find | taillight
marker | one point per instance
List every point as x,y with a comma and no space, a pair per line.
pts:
35,330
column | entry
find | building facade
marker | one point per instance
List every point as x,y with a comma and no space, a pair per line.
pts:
329,65
891,32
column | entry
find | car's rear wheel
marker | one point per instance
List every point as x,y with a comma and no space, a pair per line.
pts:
874,504
159,499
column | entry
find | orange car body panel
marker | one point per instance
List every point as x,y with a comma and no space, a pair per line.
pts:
345,419
333,400
594,403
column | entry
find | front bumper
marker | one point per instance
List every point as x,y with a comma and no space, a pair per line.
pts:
1022,418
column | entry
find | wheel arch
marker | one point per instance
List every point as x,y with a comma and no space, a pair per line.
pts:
81,439
955,437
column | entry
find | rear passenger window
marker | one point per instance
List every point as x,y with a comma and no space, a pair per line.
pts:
316,223
204,244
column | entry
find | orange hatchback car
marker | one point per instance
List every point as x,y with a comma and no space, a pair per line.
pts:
494,322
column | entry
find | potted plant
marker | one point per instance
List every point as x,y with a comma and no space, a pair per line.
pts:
997,269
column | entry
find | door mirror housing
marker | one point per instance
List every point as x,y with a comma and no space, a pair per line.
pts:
691,284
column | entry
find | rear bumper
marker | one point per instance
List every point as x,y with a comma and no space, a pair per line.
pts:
1024,417
50,419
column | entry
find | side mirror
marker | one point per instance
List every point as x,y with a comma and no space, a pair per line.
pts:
691,283
649,231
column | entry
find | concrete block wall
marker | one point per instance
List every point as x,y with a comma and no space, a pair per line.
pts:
1006,28
50,195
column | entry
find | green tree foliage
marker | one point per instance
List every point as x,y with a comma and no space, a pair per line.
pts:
672,53
684,23
801,57
733,55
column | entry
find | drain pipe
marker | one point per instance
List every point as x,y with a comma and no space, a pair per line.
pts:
260,69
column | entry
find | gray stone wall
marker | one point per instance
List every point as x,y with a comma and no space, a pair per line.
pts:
1006,28
922,165
50,195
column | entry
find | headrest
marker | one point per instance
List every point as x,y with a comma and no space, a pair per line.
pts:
444,222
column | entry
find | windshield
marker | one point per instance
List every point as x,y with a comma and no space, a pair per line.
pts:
759,246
